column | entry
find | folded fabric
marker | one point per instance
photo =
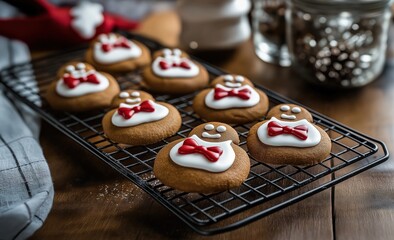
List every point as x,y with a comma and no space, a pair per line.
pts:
26,189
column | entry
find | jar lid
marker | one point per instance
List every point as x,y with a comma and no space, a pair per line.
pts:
352,5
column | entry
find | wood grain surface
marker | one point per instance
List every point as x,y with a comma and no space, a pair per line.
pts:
93,202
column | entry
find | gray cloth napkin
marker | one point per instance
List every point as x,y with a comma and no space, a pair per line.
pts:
26,189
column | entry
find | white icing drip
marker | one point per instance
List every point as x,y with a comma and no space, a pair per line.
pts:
290,117
239,78
86,16
174,72
285,108
208,135
118,54
209,127
232,85
231,102
83,88
124,95
133,100
141,117
135,94
196,160
296,110
221,129
288,140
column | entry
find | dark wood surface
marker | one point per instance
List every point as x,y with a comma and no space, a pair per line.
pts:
93,202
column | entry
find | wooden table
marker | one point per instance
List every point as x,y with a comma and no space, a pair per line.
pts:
92,202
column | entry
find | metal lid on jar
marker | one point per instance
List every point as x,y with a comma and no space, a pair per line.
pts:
349,5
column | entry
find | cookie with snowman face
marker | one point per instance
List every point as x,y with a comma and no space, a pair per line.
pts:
173,72
79,87
232,99
113,52
140,120
130,96
209,160
288,136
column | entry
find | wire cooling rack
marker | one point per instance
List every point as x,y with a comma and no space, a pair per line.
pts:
266,190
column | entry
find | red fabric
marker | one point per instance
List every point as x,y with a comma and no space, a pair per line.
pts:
191,146
275,128
128,113
52,28
222,93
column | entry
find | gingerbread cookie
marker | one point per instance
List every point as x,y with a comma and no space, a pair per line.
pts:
115,53
233,99
79,87
173,72
141,123
208,161
288,137
130,97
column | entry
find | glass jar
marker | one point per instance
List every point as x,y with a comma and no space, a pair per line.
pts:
338,43
269,31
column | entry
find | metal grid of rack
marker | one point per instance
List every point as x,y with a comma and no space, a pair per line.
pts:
267,189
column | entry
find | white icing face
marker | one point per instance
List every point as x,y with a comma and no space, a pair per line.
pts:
83,88
131,98
231,102
118,52
285,108
160,112
233,82
86,17
289,140
209,127
198,161
172,65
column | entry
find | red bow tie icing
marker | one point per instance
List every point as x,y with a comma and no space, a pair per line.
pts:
274,129
128,113
222,93
120,43
165,65
72,82
191,146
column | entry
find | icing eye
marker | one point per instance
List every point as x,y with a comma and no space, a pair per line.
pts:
285,108
124,95
209,127
221,129
166,51
70,68
102,38
228,78
239,79
135,94
296,110
177,52
81,66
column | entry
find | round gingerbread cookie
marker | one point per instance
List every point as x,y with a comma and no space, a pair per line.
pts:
79,87
208,161
288,139
233,99
141,123
173,72
130,96
115,53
